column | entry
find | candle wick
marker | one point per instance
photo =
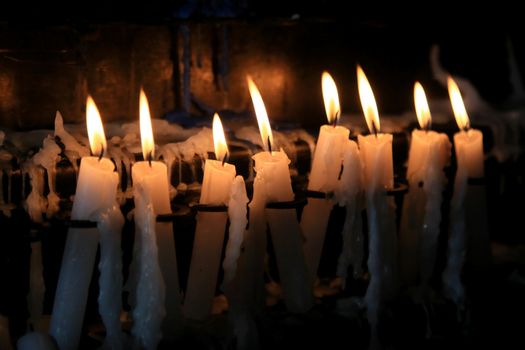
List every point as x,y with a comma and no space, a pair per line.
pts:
150,156
374,129
225,158
269,145
336,116
101,152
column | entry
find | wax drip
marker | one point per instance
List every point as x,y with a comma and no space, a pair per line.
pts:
341,171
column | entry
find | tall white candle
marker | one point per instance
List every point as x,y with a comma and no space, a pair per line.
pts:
429,154
273,184
95,193
376,152
468,215
326,167
157,303
209,234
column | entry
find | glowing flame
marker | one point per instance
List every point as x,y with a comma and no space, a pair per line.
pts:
146,132
219,140
368,102
457,105
262,116
422,110
97,138
331,98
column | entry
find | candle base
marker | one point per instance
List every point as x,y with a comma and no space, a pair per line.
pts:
287,239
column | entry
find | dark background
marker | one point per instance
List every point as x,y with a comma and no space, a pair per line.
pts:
52,55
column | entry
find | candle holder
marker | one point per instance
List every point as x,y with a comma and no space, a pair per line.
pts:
400,188
293,204
81,224
209,208
177,212
318,194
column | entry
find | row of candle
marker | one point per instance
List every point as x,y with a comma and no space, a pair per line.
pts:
340,167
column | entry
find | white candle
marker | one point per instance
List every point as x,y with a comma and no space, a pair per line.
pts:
429,154
326,167
95,193
209,233
376,152
157,307
273,184
468,212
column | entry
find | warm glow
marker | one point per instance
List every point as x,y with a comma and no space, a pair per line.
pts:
331,98
457,105
260,112
219,140
97,138
422,110
368,102
146,132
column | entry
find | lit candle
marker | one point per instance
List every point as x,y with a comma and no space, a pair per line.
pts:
326,167
468,211
429,154
376,152
273,184
95,200
157,299
209,233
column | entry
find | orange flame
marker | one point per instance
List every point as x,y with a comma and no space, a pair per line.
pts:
97,138
262,116
331,98
219,140
457,105
368,101
146,131
422,110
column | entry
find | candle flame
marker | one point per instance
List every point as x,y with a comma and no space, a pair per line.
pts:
219,140
146,131
262,116
422,110
368,101
331,98
97,138
457,105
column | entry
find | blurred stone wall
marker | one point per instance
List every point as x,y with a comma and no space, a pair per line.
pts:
199,66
